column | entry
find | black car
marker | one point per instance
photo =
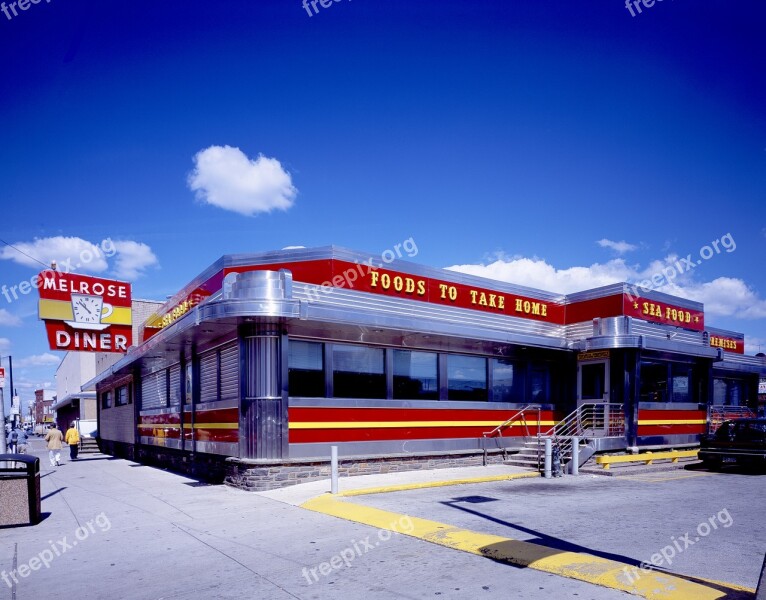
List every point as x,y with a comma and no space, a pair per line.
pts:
739,441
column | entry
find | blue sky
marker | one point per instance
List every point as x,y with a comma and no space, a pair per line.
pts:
506,138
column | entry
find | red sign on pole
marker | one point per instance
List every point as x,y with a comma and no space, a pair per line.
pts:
2,377
85,314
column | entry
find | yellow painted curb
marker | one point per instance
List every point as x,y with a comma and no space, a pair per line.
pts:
654,585
430,484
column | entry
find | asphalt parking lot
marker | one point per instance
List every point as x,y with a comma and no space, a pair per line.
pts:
700,523
130,531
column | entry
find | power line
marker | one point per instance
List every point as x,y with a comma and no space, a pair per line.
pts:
24,253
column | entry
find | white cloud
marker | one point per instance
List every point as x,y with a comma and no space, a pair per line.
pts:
132,259
225,177
69,252
619,247
8,319
724,296
293,247
74,254
5,345
38,360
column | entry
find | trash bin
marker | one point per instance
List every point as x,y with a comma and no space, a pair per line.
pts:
19,489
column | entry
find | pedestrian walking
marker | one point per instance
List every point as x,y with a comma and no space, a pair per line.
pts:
54,439
21,440
72,438
13,441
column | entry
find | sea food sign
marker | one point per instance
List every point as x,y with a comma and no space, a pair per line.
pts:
85,314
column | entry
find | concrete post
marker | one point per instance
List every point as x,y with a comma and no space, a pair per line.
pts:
575,469
333,469
548,458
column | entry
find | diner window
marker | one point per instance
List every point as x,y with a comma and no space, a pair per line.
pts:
507,381
729,392
667,382
121,396
305,367
539,389
358,372
681,379
466,377
415,375
654,382
106,400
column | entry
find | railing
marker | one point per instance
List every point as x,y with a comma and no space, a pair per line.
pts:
518,415
720,413
647,458
595,420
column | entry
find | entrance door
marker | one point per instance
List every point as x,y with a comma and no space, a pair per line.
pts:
593,389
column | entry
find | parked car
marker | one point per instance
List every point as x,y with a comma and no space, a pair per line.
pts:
738,441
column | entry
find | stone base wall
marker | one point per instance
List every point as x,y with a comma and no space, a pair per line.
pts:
261,475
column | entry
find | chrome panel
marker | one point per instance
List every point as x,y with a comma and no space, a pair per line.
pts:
648,343
608,443
742,362
174,397
216,405
668,440
160,442
381,308
263,420
223,448
230,372
169,410
208,377
383,448
153,390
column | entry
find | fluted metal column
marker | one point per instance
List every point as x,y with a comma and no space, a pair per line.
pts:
263,431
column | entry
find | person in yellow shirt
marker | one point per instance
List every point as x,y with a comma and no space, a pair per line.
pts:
72,438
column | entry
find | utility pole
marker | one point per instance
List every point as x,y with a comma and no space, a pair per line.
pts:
3,448
13,391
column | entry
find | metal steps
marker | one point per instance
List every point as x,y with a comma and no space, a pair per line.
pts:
527,457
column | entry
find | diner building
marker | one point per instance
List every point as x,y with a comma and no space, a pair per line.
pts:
264,361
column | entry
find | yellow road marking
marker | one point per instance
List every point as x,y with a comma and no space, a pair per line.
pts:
653,585
430,484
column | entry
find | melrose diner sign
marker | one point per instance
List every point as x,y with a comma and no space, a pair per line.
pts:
85,314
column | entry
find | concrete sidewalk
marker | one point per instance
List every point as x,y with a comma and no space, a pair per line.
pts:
117,529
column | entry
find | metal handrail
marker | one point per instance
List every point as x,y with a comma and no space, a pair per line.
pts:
720,413
582,422
519,413
516,415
